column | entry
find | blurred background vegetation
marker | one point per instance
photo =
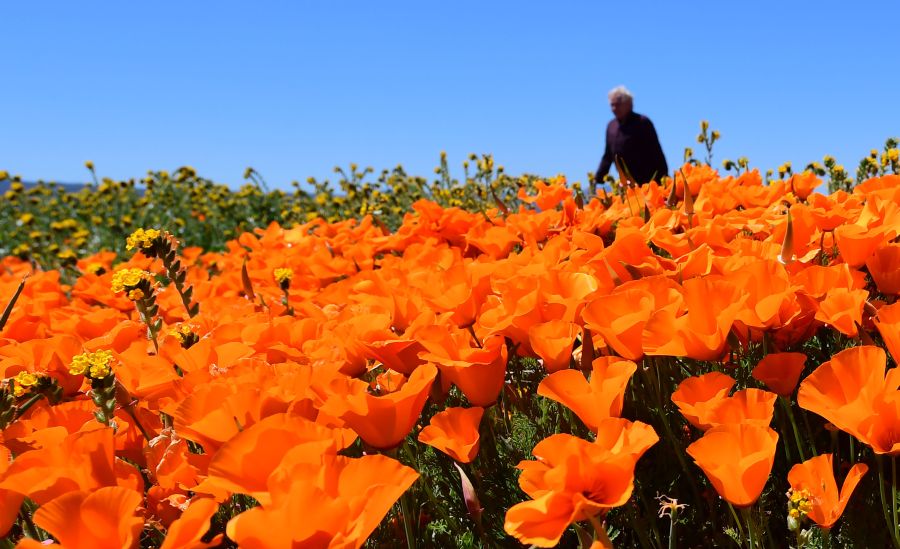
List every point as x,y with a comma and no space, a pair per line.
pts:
53,225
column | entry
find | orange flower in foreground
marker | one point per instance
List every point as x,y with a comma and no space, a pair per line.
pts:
574,479
454,431
816,476
737,459
553,341
696,397
9,501
842,309
594,400
244,463
620,318
326,496
81,461
803,184
384,421
856,243
185,532
780,372
854,392
104,519
888,323
477,371
745,406
884,266
712,305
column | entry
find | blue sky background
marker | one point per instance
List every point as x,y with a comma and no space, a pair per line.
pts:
296,88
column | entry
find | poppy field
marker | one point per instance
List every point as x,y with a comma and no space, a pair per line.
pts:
709,361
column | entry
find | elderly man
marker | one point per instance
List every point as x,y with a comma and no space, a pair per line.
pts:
631,138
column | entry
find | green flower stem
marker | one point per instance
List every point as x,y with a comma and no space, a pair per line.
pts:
405,509
890,517
785,403
673,519
752,534
176,274
737,520
20,410
896,530
148,320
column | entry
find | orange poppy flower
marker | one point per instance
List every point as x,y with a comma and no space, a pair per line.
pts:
102,519
243,464
10,501
574,479
746,406
82,461
854,392
780,372
818,281
856,243
169,462
879,429
698,396
712,305
884,266
803,184
619,318
186,532
325,495
595,400
816,477
553,342
843,309
384,421
478,371
771,298
737,459
454,431
888,323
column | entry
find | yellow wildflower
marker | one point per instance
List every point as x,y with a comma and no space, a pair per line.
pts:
136,294
283,276
24,381
142,238
95,365
127,279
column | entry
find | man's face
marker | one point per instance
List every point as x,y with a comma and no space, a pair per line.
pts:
620,107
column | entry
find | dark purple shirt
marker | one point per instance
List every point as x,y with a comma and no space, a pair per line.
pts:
635,143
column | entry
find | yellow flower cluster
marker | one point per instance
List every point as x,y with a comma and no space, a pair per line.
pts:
24,382
283,275
142,238
127,279
799,505
95,365
181,333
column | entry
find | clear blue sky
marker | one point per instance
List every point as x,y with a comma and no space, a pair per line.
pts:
295,88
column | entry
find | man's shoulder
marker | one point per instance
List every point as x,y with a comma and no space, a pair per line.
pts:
643,119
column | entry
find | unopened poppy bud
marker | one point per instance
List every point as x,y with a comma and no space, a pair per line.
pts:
473,505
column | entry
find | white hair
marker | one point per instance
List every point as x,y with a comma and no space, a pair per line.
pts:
620,91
